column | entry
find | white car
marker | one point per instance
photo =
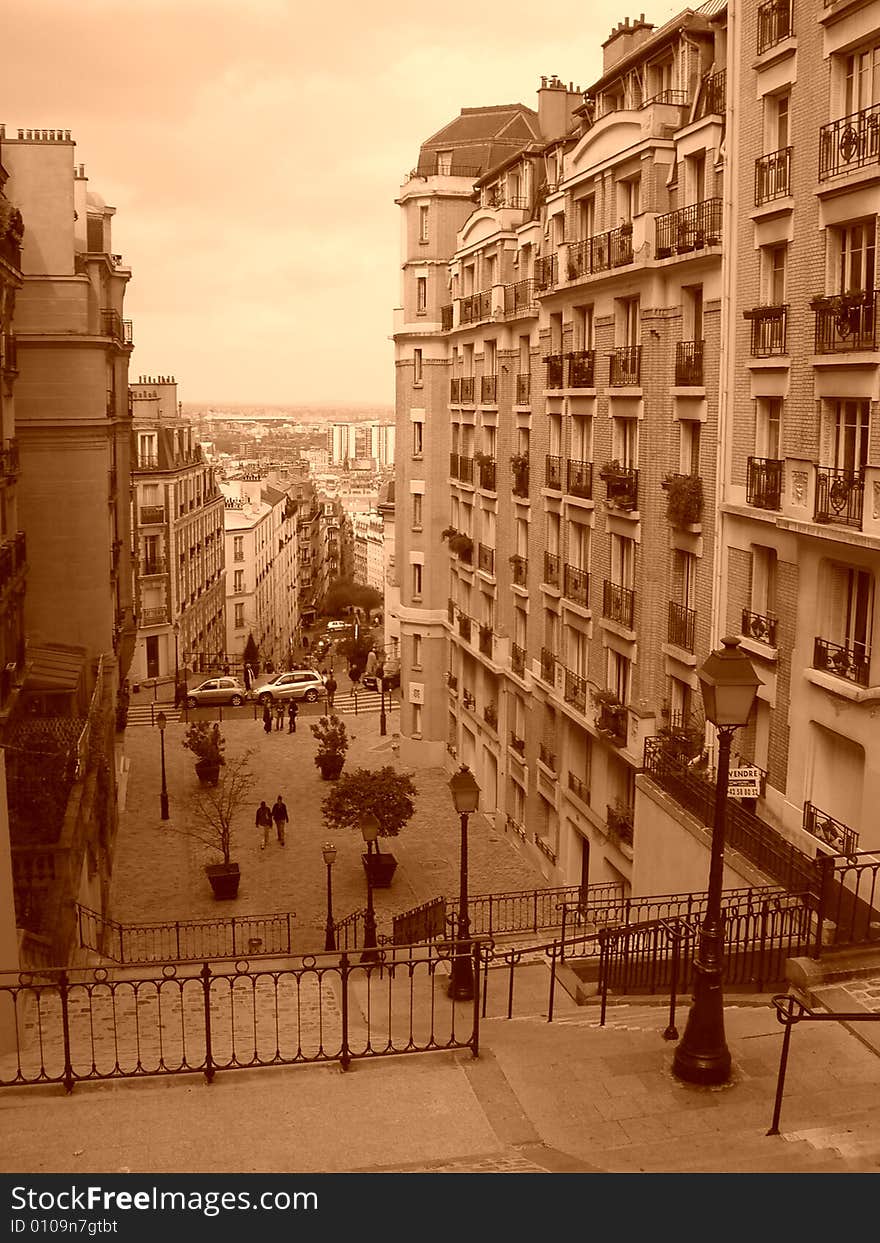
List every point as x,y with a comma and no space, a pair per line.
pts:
217,691
304,684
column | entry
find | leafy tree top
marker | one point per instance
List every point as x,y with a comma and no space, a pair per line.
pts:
205,741
332,736
385,792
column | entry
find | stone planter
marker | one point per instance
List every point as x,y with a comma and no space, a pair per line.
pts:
208,772
380,868
224,878
330,766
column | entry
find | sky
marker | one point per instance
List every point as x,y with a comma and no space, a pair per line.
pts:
253,150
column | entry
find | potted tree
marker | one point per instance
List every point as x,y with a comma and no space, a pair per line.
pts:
214,809
207,745
684,501
386,793
333,741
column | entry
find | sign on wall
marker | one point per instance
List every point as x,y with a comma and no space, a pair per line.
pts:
744,783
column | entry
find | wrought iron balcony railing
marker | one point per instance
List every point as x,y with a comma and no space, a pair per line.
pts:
851,142
681,624
611,720
555,370
618,604
688,228
834,833
579,479
113,325
621,485
455,390
150,515
488,390
453,466
773,176
764,482
553,472
464,626
520,470
523,388
446,317
548,668
768,329
475,306
575,691
688,363
485,559
9,463
546,272
151,566
839,496
577,585
518,660
520,569
486,639
845,660
774,23
677,99
625,366
487,473
545,754
465,473
519,297
846,321
581,368
467,390
552,565
516,743
759,626
579,788
601,252
712,95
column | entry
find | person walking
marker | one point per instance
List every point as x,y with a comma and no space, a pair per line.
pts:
264,822
279,715
267,718
330,688
279,815
292,713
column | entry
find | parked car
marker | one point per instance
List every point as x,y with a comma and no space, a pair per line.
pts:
339,625
292,684
217,691
391,678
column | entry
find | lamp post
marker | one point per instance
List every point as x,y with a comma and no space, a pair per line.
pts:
466,797
383,724
176,630
162,721
729,685
329,853
370,831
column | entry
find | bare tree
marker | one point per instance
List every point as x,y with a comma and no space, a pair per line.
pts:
215,807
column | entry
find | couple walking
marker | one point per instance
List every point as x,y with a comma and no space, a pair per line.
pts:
267,816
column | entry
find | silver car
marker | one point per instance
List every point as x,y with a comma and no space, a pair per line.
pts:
217,691
294,684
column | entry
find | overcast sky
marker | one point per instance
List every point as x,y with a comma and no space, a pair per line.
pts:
253,150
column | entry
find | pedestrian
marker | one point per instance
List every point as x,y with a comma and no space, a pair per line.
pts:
292,711
264,822
267,717
279,815
330,688
279,715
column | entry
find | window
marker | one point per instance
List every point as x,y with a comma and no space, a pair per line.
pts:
777,117
417,720
693,313
849,600
578,546
417,511
423,223
763,587
625,441
690,447
622,561
679,703
417,651
773,261
238,548
444,163
239,582
586,218
684,572
418,442
629,198
416,580
239,617
861,80
768,421
628,321
849,435
618,675
852,256
583,327
421,294
695,177
417,366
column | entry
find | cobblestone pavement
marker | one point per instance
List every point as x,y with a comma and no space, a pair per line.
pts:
158,871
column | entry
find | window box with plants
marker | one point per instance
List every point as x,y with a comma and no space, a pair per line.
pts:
385,793
620,484
684,499
610,715
333,743
619,819
459,543
519,466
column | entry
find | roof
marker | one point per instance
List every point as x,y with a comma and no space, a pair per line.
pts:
480,138
691,19
272,495
54,667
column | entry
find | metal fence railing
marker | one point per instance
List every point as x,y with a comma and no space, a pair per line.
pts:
184,940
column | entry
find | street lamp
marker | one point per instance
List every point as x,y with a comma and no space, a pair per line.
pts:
370,831
176,629
729,686
466,797
162,721
329,853
383,724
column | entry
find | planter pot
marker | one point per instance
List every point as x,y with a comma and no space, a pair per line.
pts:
224,878
208,772
381,868
330,766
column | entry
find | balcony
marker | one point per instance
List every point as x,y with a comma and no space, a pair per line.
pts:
468,699
555,375
625,366
577,586
851,661
153,616
486,467
464,626
834,833
846,322
575,691
600,253
579,479
619,820
768,330
581,368
851,142
518,744
486,641
455,391
152,515
552,565
519,297
523,389
548,669
712,95
680,626
773,176
485,559
446,317
8,346
152,566
113,325
611,721
489,390
689,363
764,482
13,556
759,626
518,660
546,272
147,461
519,465
520,569
688,228
553,472
9,458
621,485
545,755
451,681
467,390
475,307
618,604
450,611
465,469
774,23
839,496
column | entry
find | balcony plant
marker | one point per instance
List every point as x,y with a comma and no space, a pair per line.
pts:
611,470
459,543
483,459
333,742
384,792
684,500
207,745
490,716
519,465
214,811
620,821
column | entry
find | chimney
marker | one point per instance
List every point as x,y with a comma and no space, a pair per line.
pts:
623,39
556,105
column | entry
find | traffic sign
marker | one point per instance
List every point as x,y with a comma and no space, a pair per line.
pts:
744,783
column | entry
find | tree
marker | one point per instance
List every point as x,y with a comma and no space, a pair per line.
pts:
385,792
344,593
214,808
251,654
356,651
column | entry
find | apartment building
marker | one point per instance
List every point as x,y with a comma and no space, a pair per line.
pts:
178,540
348,443
309,551
368,549
12,541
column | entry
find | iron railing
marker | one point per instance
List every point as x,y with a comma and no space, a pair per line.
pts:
681,624
546,272
465,469
574,690
548,667
486,473
545,755
689,363
577,585
759,626
523,388
621,485
151,566
850,142
764,482
518,660
678,99
489,389
553,472
613,723
581,368
9,460
712,95
516,743
840,496
151,515
579,479
847,907
519,297
464,626
618,603
846,322
600,253
520,569
185,940
153,616
552,564
475,306
851,661
555,370
773,176
520,470
625,366
768,330
446,317
486,640
455,390
467,390
688,228
774,23
834,833
485,559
